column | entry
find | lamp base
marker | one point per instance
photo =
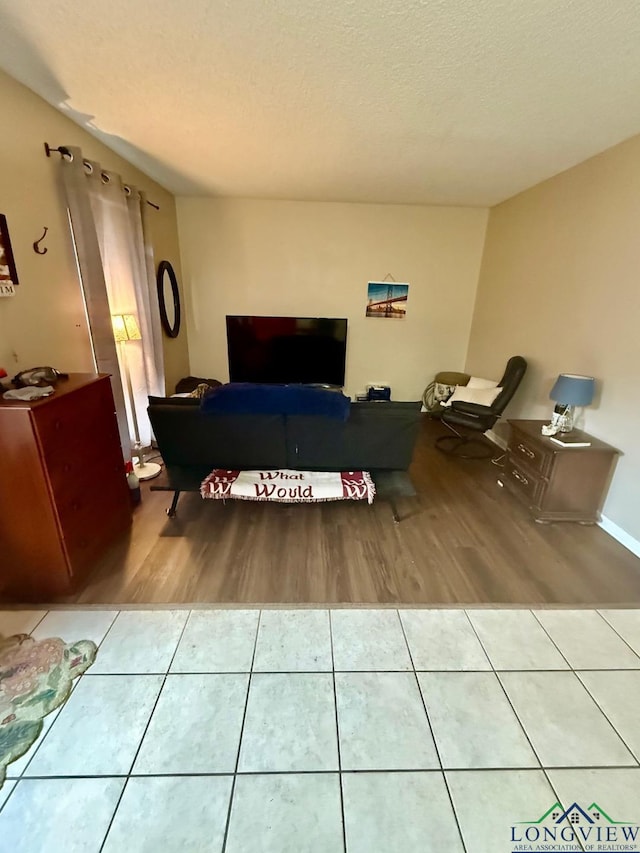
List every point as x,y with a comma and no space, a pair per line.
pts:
561,420
147,470
565,423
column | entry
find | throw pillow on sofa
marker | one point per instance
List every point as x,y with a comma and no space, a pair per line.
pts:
247,398
190,383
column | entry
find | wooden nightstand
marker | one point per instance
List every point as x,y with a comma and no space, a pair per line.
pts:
557,483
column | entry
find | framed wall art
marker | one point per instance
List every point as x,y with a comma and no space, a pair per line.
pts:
387,299
8,272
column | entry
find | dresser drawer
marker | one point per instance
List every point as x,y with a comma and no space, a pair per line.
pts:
526,452
524,484
93,512
76,426
75,472
101,486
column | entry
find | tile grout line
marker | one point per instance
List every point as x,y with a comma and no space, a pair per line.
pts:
357,671
571,671
512,706
561,801
244,717
433,737
146,728
10,794
615,631
373,771
576,672
551,640
39,622
496,675
605,715
541,624
335,708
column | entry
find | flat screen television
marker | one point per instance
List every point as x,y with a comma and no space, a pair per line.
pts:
309,350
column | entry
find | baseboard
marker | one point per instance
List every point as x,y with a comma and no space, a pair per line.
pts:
492,436
620,535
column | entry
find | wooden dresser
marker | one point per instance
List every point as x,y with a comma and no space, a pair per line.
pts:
63,491
557,483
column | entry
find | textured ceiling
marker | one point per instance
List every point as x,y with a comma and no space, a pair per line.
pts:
412,101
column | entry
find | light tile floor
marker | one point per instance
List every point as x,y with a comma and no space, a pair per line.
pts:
313,731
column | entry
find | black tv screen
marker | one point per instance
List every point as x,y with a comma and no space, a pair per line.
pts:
308,350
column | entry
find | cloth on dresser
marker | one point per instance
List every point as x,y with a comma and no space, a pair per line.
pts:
31,392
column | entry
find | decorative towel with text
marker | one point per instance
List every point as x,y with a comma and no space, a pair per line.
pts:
288,486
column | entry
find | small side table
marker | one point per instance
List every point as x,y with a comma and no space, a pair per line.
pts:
557,483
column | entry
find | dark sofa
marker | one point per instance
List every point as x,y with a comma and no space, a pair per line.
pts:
376,437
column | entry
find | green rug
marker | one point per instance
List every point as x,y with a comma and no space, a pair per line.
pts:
35,679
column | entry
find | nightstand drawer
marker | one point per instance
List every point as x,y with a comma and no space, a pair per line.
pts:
530,454
521,482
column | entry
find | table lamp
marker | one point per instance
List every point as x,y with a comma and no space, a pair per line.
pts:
570,390
125,329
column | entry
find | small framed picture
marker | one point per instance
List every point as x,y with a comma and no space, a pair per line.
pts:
8,272
385,299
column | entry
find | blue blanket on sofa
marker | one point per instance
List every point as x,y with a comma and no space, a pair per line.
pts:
246,398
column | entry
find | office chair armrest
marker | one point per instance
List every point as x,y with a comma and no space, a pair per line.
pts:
473,409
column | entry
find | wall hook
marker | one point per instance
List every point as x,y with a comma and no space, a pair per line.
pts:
36,245
389,277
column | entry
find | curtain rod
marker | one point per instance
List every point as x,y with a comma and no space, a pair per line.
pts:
62,150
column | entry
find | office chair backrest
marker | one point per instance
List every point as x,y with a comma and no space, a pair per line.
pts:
513,373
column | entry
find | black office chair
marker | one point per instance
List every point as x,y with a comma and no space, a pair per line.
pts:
477,418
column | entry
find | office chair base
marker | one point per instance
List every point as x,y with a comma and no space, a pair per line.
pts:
453,445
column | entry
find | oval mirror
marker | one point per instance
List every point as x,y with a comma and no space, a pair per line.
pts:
168,299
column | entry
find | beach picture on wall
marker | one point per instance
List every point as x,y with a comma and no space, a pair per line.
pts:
387,299
8,274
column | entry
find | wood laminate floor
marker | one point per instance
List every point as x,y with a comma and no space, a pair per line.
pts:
463,540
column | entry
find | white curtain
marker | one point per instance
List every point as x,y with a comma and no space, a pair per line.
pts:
117,271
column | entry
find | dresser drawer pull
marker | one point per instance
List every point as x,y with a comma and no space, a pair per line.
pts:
526,451
520,478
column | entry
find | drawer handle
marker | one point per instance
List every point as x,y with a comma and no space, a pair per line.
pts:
520,478
526,451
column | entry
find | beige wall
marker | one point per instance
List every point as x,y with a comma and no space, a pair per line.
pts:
315,259
44,322
560,284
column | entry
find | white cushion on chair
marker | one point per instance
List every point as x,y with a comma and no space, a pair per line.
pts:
477,382
481,396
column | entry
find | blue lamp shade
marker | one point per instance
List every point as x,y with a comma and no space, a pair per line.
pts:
573,390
